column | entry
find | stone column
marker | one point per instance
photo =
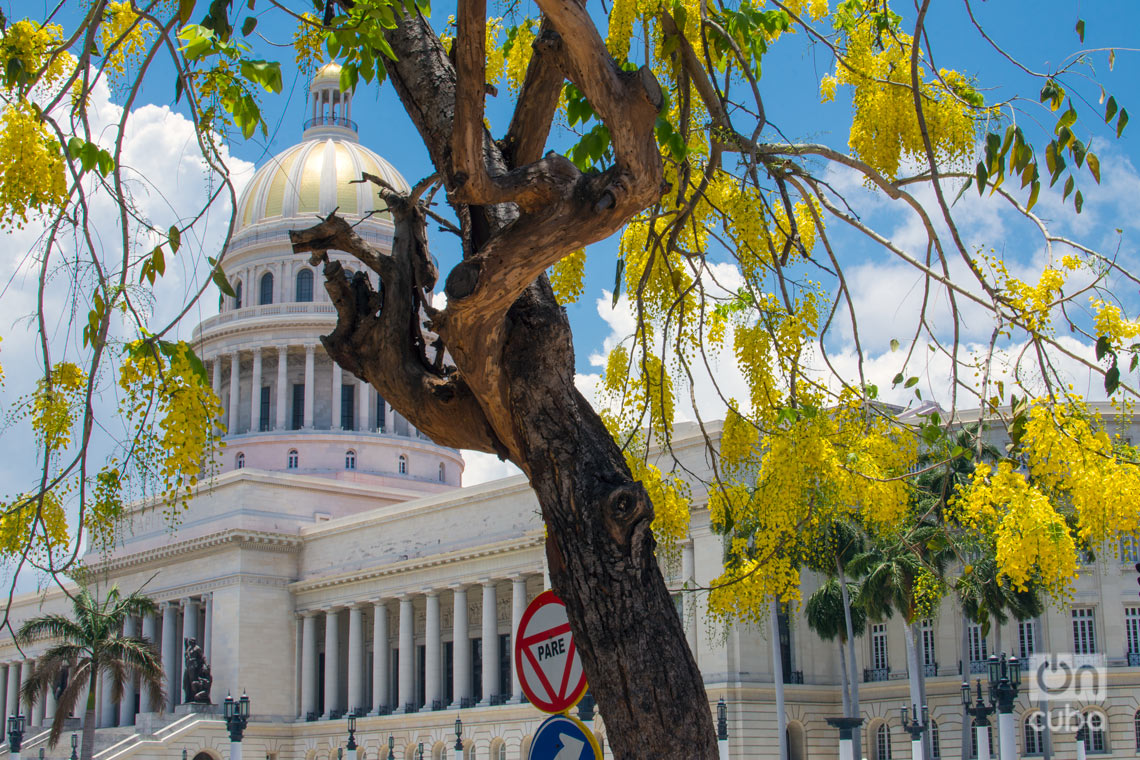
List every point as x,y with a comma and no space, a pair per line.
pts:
49,707
149,632
336,394
208,627
366,423
189,620
106,706
308,664
433,665
127,705
688,580
490,643
35,714
332,657
255,394
380,685
170,651
282,387
4,694
355,657
518,607
13,702
310,384
235,393
406,689
216,380
460,648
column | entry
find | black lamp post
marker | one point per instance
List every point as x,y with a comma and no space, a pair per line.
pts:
420,752
1005,682
236,713
980,712
391,746
15,735
915,728
75,747
847,728
459,738
351,745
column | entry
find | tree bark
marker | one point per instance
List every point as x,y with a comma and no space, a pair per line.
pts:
778,681
87,751
852,664
511,389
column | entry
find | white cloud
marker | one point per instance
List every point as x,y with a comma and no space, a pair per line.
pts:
482,467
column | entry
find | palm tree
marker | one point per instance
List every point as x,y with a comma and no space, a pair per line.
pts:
88,644
830,615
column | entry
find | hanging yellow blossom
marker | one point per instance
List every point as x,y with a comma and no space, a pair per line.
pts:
309,44
567,277
32,178
123,36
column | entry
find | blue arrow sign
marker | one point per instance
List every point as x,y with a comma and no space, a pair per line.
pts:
561,737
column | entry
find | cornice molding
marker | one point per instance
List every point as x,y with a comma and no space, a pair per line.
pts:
248,539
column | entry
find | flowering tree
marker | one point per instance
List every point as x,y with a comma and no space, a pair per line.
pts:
735,241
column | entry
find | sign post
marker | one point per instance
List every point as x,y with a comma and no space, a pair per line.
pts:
561,737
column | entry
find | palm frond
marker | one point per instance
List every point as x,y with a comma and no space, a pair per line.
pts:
50,626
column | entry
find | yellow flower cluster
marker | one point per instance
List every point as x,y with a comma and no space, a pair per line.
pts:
309,44
33,523
55,407
496,59
567,277
884,125
165,392
1111,323
32,170
123,37
928,592
518,57
32,45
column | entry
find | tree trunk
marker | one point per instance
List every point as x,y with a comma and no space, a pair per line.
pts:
913,667
87,750
844,679
852,663
778,681
511,390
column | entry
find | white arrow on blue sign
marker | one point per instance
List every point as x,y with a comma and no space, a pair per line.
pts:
561,737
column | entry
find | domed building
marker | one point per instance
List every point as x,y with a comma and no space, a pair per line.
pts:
335,566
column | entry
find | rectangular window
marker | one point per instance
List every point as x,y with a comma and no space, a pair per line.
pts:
348,406
978,650
1026,638
264,408
477,669
1130,549
679,605
394,679
379,413
1132,631
505,665
448,672
1084,631
879,659
298,406
421,674
929,655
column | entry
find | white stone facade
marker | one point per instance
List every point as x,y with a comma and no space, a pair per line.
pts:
335,533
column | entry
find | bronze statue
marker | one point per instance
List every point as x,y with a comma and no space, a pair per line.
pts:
196,678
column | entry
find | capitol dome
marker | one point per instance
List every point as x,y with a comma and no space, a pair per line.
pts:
317,175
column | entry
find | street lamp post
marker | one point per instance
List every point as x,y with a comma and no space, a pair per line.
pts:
1081,733
75,747
847,728
980,712
391,746
916,728
420,752
1005,682
236,713
15,735
458,739
351,746
722,729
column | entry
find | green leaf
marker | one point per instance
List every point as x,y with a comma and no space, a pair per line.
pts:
1078,201
620,271
1068,119
1121,121
1081,29
1112,380
248,25
1103,347
894,344
911,382
1033,193
1069,184
104,162
897,379
174,235
349,75
185,10
1109,109
981,175
219,278
1078,150
1094,166
965,186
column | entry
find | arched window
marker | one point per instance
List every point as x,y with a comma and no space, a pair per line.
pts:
350,460
502,754
265,296
795,739
974,740
305,286
1136,727
1034,734
883,742
239,460
294,458
402,465
442,472
237,295
1096,738
935,748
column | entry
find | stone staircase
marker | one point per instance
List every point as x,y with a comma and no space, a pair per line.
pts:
151,738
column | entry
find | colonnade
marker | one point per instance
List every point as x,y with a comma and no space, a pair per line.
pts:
192,617
278,416
400,618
